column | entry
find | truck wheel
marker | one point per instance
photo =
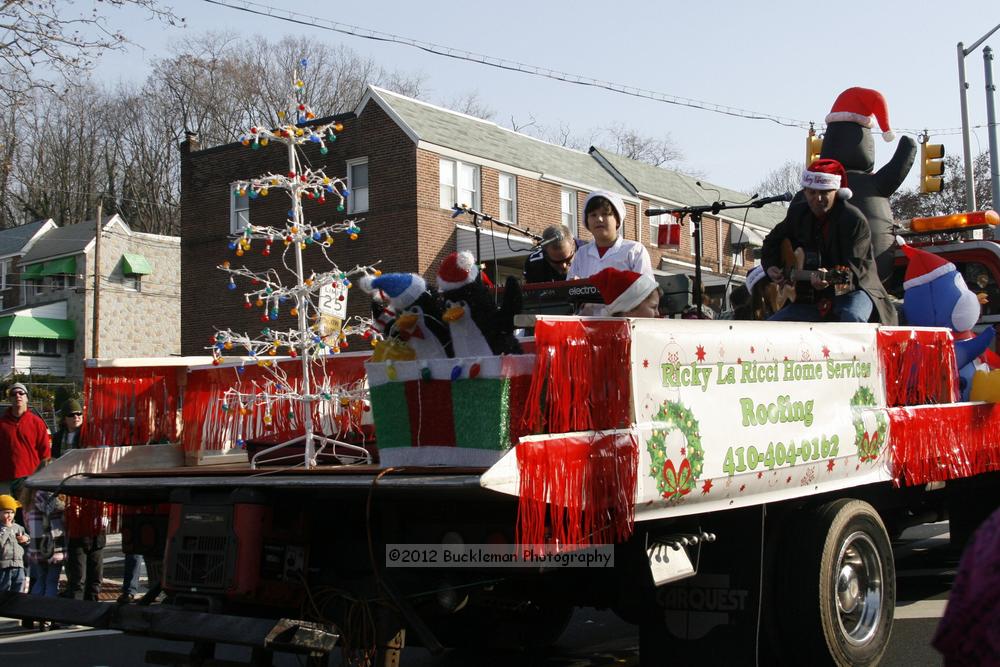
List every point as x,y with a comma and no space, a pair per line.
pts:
840,603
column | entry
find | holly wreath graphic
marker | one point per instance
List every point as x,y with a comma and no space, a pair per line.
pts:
674,481
868,444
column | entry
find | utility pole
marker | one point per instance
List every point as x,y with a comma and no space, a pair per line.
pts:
970,186
991,127
96,342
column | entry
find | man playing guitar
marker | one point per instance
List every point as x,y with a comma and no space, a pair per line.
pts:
830,240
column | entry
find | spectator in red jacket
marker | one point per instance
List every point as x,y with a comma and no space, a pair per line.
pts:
24,441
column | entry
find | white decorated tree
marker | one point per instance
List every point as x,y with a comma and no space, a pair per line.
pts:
316,299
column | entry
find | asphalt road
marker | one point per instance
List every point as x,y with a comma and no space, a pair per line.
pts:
925,571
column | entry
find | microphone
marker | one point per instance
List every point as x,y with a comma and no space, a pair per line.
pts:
650,212
787,196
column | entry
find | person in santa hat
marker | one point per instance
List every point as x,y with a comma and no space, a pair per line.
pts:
627,293
604,215
848,140
831,233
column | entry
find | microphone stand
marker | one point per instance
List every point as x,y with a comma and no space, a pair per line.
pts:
478,217
696,212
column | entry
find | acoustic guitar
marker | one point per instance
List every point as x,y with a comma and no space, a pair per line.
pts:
800,279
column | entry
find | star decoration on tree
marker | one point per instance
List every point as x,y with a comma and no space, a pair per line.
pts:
700,353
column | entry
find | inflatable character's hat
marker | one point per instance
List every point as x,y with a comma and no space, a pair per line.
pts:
858,105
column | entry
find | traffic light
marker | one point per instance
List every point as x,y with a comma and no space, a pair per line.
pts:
931,166
814,144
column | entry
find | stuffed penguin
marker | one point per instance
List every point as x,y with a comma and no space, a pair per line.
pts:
936,296
459,280
413,328
405,290
848,140
466,338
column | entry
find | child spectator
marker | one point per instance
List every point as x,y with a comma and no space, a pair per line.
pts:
47,548
12,540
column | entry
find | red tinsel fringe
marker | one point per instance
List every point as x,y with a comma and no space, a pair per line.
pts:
581,377
585,484
130,406
919,366
208,427
934,444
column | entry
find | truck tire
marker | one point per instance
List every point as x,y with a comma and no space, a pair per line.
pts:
838,606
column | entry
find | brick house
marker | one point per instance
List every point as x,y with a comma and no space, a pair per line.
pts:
407,162
52,331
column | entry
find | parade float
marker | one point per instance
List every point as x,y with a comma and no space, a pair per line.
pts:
738,482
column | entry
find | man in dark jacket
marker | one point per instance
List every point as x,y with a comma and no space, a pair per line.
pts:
829,233
551,261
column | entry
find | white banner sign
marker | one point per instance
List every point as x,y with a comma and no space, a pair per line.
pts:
746,412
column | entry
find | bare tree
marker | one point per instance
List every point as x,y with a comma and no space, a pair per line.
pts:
471,104
47,42
220,83
785,178
629,142
912,203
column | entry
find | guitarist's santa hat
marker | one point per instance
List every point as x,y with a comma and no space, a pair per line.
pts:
827,174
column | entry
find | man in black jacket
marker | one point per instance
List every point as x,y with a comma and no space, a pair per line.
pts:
828,233
551,261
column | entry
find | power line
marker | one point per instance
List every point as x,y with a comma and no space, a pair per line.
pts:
524,68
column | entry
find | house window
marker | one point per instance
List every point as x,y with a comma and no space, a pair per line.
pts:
357,183
239,211
568,203
132,282
737,256
64,281
38,286
459,184
508,198
701,239
654,226
4,270
39,346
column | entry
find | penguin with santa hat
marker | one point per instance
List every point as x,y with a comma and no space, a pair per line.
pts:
848,140
478,326
936,296
418,322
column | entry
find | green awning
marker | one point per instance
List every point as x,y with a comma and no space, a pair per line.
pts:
32,271
25,326
60,267
135,265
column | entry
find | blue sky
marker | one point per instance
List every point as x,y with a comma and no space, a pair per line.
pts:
779,58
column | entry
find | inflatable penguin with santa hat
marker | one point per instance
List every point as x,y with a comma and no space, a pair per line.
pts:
418,322
936,296
848,140
475,321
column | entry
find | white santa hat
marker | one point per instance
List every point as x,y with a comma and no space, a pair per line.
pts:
617,203
457,270
827,174
858,105
622,290
756,274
